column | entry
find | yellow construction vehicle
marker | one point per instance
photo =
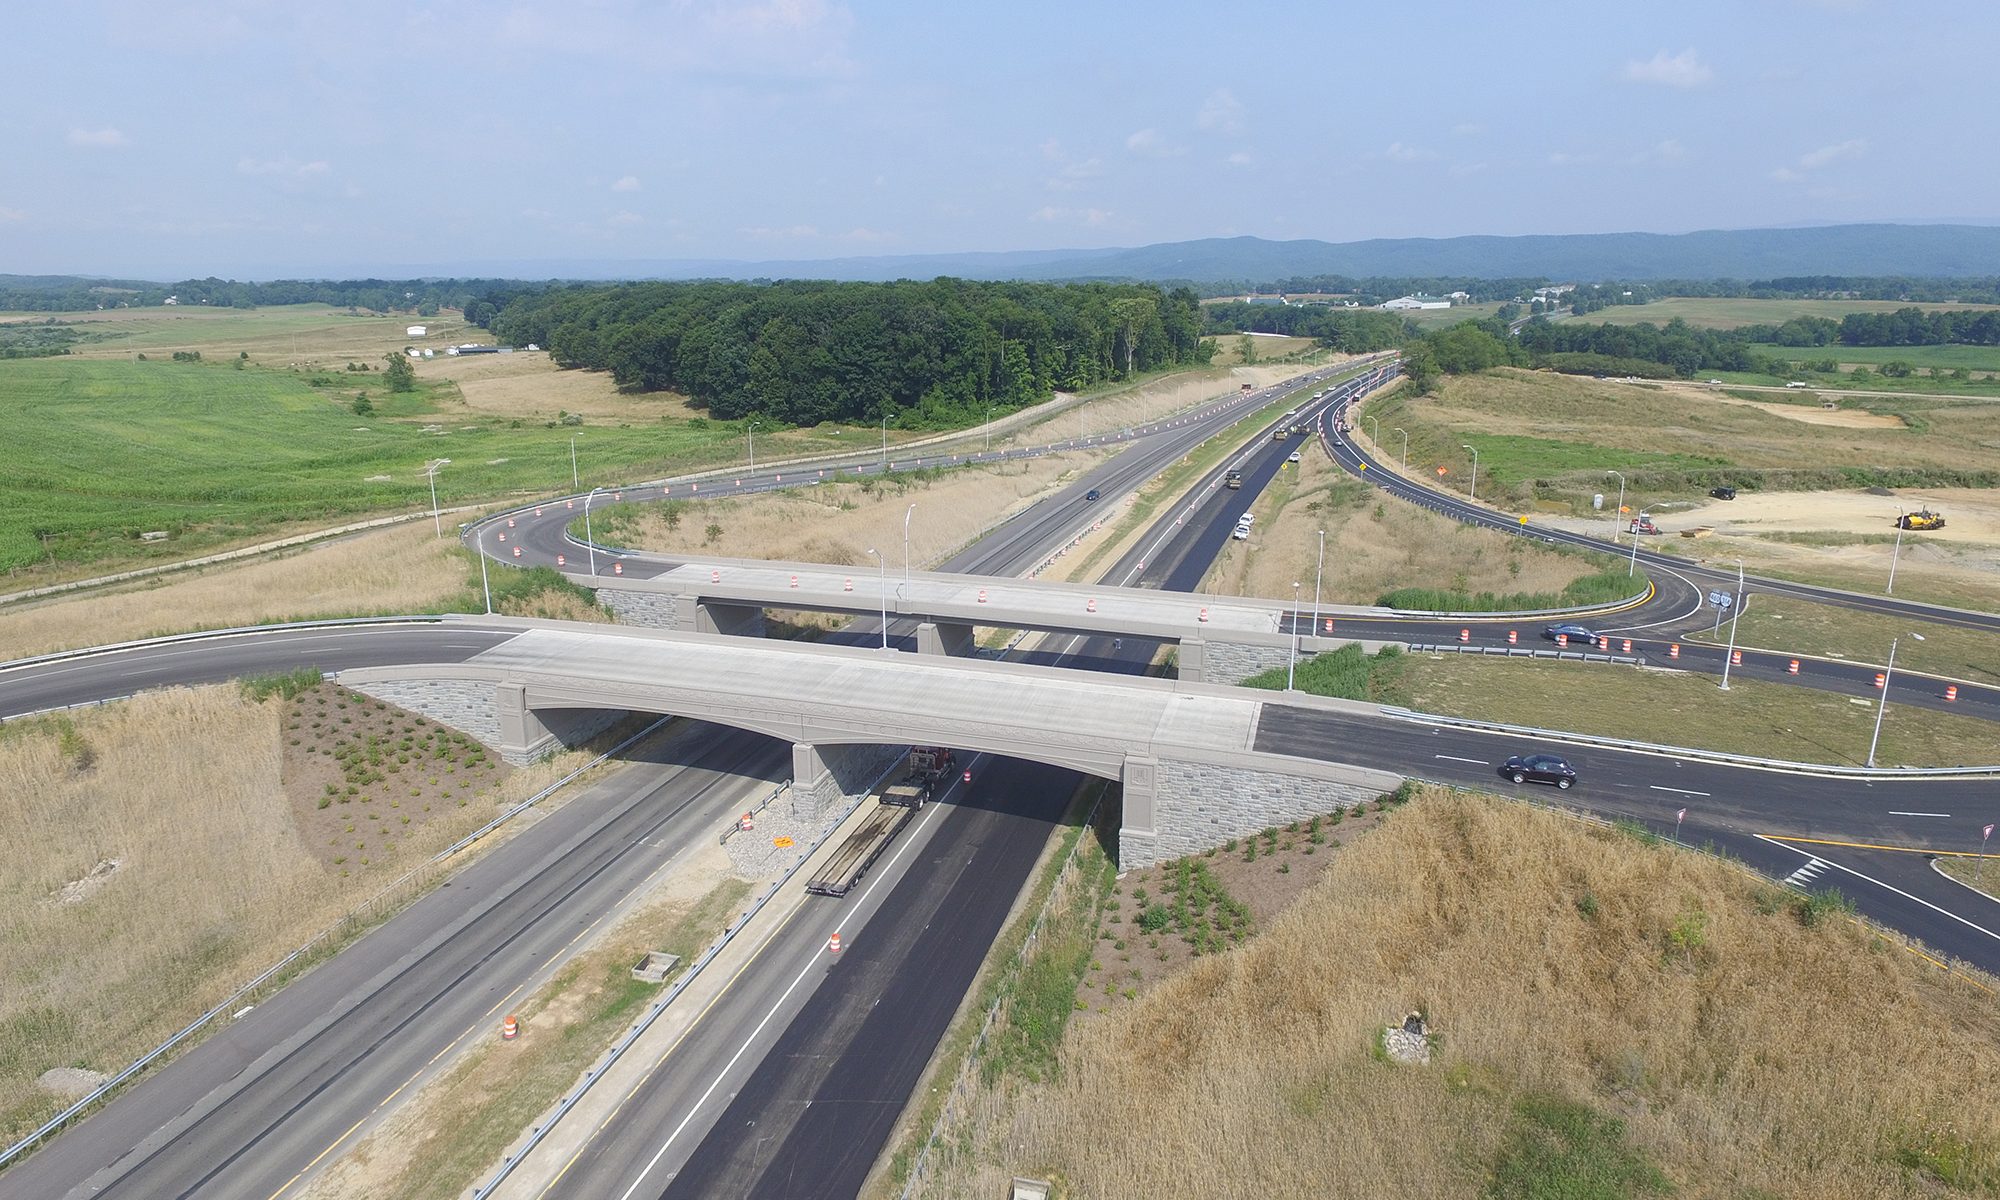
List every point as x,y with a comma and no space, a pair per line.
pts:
1923,518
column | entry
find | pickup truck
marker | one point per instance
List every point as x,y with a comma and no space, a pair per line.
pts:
1233,480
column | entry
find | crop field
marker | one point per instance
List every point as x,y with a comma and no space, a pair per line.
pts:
1708,312
1935,358
1548,439
108,450
275,336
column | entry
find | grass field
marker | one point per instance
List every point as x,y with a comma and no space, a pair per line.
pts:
211,455
1942,358
307,334
1783,624
1229,348
1547,438
1614,1017
1727,313
1435,318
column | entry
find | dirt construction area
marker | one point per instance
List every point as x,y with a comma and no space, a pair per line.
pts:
1838,418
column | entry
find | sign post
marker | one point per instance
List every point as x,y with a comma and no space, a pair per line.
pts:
1678,818
1980,868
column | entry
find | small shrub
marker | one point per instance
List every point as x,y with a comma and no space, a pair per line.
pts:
1587,905
1823,907
1154,918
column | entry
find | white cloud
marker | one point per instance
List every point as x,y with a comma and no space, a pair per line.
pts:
12,214
1467,129
1681,70
1400,152
1074,175
1221,112
1085,216
1242,158
1813,160
1149,143
624,218
1661,154
97,139
870,236
628,183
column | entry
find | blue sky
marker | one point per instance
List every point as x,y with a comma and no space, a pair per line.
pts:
242,138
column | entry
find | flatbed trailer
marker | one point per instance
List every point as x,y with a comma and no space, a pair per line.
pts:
858,853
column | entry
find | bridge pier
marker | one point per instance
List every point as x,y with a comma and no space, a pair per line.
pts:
736,620
1191,666
1137,833
945,638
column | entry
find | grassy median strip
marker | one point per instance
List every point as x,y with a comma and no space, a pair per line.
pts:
1981,873
1802,627
485,1102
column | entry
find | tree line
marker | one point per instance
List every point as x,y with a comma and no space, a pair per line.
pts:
1908,326
1353,330
66,293
918,354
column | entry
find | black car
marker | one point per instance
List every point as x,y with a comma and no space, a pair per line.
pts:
1091,494
1574,632
1539,768
1723,493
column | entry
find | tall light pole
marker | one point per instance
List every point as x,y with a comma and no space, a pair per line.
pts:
1882,705
882,579
1893,556
753,446
1406,447
589,541
575,480
484,584
1374,430
989,428
1618,513
907,514
432,471
885,445
1633,566
1292,664
1473,491
1736,615
1318,569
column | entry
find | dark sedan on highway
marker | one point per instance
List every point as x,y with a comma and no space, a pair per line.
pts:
1539,768
1575,633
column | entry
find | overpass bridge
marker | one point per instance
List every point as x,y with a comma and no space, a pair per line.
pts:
1222,639
1186,754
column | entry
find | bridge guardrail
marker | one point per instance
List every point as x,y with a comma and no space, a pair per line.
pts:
232,631
1633,660
388,896
1715,756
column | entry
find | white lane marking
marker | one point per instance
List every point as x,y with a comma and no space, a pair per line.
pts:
812,962
1894,813
1804,875
1683,791
1887,888
1455,758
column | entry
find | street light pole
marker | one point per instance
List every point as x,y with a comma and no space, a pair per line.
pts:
1319,569
436,522
1473,491
589,541
1292,665
1736,615
484,584
1406,447
907,514
1618,513
1882,705
753,446
1893,556
989,429
575,480
885,444
882,579
1374,429
1633,566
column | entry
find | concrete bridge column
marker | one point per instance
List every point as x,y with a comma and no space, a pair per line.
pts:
945,638
523,736
737,620
807,766
1138,830
1193,661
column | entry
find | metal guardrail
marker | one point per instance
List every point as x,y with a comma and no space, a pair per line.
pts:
658,1007
1635,660
760,806
1689,752
388,897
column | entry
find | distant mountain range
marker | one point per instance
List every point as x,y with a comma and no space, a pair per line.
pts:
1922,250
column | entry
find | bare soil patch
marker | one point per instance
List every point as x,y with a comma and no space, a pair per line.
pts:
1844,418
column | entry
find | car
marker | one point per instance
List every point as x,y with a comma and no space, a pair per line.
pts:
1723,493
1572,631
1294,458
1715,383
1091,494
1247,519
1242,533
1540,768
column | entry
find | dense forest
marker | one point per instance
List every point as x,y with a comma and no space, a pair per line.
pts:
917,354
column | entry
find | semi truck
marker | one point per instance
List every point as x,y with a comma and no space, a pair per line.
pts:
893,808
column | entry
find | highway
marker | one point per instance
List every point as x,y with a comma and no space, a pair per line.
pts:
1729,807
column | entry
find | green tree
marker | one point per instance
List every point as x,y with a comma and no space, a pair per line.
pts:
402,376
1246,346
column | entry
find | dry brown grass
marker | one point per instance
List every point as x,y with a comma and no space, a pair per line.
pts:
397,570
216,879
530,386
1764,1058
1374,544
836,522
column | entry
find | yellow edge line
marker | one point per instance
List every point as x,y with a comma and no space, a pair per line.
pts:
1877,846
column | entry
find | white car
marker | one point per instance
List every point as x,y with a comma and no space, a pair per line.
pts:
1247,520
1242,533
1294,458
